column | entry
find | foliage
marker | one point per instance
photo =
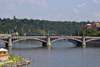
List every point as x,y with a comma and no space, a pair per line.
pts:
0,52
21,34
13,58
4,52
87,32
6,64
31,26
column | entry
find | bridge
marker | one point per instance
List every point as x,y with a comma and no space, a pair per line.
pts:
46,40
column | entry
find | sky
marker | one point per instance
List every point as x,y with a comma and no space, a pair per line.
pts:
53,10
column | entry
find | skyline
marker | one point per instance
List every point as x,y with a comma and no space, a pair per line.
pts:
52,10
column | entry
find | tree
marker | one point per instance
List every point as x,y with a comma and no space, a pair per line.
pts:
21,34
38,26
14,18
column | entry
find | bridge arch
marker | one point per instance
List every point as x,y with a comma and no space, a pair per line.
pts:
3,41
57,39
66,38
92,39
30,38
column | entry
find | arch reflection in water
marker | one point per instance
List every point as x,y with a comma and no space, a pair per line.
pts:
29,43
61,54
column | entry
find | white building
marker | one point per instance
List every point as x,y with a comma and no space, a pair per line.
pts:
3,54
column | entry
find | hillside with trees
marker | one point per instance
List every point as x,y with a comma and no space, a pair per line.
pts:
87,32
31,26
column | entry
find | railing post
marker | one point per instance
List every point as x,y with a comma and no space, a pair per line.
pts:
78,33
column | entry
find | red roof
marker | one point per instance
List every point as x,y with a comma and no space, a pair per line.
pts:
84,25
92,25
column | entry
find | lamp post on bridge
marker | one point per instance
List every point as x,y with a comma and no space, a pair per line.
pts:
48,33
78,33
44,32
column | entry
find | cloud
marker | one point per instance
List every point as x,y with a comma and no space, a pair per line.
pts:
55,8
96,1
58,15
11,7
5,14
1,0
97,14
76,10
81,5
39,2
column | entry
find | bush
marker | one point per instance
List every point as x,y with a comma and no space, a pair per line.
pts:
4,52
0,52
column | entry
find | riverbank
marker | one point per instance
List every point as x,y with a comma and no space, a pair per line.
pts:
14,60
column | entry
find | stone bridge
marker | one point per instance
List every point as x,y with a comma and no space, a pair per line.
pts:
46,40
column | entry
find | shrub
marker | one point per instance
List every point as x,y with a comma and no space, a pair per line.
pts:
4,52
0,52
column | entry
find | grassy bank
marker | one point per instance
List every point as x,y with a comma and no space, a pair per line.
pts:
12,59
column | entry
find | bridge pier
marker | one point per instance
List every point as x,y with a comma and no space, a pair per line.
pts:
83,41
9,42
48,42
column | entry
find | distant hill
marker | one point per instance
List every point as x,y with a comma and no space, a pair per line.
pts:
31,26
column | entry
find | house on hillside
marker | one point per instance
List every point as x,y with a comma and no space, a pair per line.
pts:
94,26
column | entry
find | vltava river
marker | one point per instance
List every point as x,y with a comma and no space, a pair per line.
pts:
62,53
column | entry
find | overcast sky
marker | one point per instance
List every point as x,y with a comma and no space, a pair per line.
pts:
54,10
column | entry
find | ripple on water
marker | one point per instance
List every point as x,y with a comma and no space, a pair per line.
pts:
61,54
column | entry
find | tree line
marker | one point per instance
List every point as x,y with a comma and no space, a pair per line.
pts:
31,26
87,32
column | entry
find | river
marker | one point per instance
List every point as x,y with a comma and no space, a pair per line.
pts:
62,53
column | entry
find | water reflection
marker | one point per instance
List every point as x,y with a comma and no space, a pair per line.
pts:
84,47
49,48
83,56
60,54
9,50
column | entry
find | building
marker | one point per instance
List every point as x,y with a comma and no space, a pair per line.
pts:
87,26
94,26
15,34
5,35
97,27
3,54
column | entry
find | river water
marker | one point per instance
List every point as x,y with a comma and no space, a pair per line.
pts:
62,53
